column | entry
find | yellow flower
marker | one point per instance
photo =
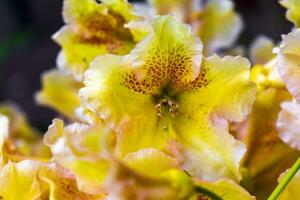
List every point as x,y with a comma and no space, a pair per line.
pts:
218,25
92,29
293,10
164,95
60,91
288,62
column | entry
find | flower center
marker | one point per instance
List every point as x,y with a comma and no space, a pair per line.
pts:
166,105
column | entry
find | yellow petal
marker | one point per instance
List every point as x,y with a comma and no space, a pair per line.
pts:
261,50
216,35
291,192
58,183
19,140
226,189
267,155
60,91
292,13
150,162
19,181
79,147
126,184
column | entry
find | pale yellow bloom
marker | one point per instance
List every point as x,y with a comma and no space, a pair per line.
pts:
164,91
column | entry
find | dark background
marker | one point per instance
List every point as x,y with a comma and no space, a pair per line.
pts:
26,49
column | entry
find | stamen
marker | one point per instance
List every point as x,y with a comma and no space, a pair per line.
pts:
172,106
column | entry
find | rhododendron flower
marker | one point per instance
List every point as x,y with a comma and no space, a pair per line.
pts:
92,29
165,95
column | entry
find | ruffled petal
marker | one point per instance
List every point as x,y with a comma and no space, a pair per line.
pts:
293,10
288,124
216,35
19,180
79,148
205,151
288,62
60,91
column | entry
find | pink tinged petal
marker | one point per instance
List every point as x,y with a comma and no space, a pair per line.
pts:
288,124
288,61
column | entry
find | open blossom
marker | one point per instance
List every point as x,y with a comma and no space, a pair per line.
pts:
92,29
166,95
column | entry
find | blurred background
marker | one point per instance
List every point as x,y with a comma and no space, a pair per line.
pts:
26,48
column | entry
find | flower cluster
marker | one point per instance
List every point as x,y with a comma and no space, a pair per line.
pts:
151,112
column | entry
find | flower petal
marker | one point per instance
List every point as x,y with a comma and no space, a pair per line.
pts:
261,50
79,148
60,91
288,62
291,192
216,35
288,124
293,9
226,189
126,184
207,152
20,180
154,159
58,183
